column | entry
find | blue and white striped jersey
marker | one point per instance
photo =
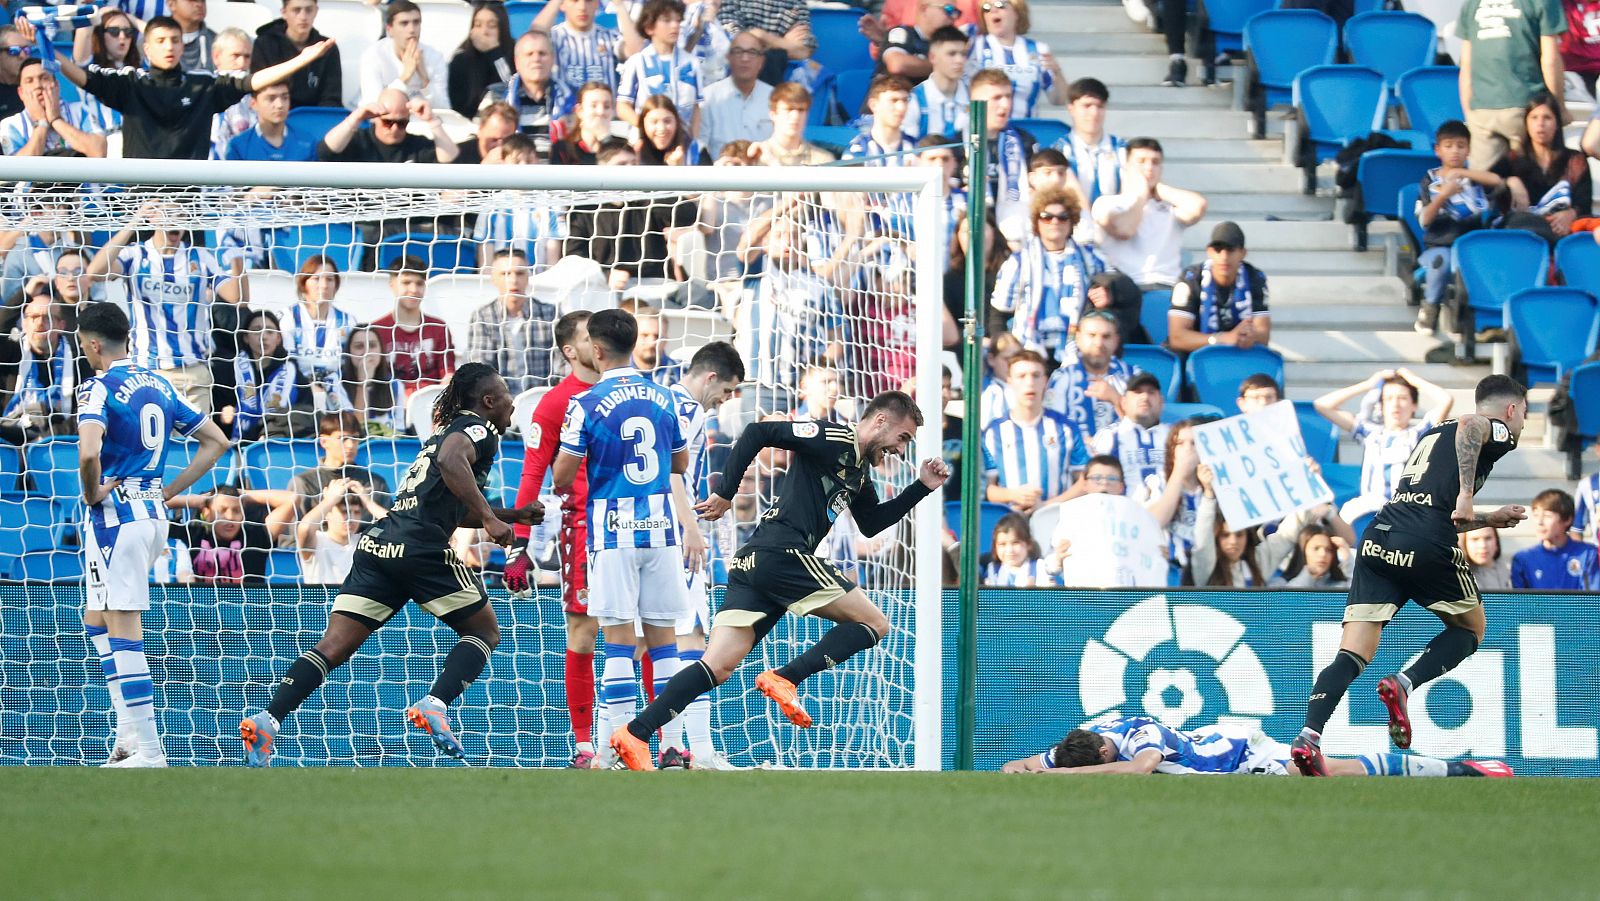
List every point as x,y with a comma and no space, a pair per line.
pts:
711,50
169,304
627,429
1142,452
317,345
865,147
692,423
17,130
1022,62
930,111
139,411
1212,751
785,319
1067,393
648,73
1031,574
1041,454
994,403
143,10
582,57
1587,496
529,229
1384,454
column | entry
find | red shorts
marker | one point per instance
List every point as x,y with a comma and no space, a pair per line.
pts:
574,553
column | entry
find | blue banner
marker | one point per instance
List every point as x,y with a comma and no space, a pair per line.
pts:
1051,660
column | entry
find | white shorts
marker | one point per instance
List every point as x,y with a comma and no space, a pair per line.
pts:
117,576
638,583
699,615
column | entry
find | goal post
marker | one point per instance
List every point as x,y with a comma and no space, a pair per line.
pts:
880,232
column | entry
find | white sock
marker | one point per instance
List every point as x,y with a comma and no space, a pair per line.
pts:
619,691
100,639
665,663
138,692
697,719
1405,682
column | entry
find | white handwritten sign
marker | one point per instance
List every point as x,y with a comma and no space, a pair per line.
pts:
1260,467
1115,543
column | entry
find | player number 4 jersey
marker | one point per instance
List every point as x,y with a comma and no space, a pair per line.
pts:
627,429
1431,479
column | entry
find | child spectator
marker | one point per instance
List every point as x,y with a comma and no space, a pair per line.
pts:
224,546
1220,301
995,402
270,139
1482,550
1557,562
1029,456
340,435
1000,45
1016,561
1175,495
586,51
1095,158
662,67
1258,392
326,536
1315,562
938,105
272,397
1451,201
1386,447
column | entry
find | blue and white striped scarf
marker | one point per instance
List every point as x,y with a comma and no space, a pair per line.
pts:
1241,302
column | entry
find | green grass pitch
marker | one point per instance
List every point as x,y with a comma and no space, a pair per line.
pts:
476,833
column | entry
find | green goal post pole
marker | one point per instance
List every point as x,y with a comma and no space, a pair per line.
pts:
971,439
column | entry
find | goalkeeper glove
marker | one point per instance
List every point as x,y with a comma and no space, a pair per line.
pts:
516,573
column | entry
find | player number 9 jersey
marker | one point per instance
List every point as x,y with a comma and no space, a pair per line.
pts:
627,430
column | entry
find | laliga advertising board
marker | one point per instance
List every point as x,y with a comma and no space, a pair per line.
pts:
1260,465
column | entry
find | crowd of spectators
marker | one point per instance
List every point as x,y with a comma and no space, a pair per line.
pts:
1081,235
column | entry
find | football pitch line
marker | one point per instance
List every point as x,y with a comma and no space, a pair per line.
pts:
455,833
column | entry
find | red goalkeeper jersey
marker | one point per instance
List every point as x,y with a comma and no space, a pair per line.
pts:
542,446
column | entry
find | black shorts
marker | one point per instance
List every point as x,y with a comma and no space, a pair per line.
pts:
1398,563
766,583
385,576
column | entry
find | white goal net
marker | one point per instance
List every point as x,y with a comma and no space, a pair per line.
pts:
285,297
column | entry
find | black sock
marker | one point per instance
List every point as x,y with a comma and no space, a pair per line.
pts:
1443,654
1331,685
833,649
691,682
461,668
305,676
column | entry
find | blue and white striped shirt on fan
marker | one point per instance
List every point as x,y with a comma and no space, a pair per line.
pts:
1041,454
529,229
865,147
1384,454
648,73
931,111
994,403
1067,393
1031,574
1022,62
317,345
1587,515
626,427
139,410
582,57
169,304
1142,452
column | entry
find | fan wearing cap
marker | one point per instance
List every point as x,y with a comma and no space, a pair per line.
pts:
1220,301
1138,440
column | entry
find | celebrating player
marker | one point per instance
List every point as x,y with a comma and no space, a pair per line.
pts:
777,569
1139,745
572,337
1410,553
125,414
407,554
714,374
625,433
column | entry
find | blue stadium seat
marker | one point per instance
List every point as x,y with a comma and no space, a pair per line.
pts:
179,453
314,122
1431,96
442,253
293,245
833,138
522,13
10,470
1214,372
49,566
1362,521
1046,131
988,515
1586,402
389,457
1492,265
273,462
1393,43
1174,412
1382,174
1226,19
840,44
1406,203
1555,330
283,567
507,475
1153,314
1320,435
603,19
1282,44
31,524
846,96
1339,103
1344,479
1578,259
1161,362
52,465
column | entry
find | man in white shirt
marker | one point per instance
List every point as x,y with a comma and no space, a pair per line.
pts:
1142,227
401,61
736,108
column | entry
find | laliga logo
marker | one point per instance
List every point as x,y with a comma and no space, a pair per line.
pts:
1171,641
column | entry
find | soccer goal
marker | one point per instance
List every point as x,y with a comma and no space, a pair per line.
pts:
828,280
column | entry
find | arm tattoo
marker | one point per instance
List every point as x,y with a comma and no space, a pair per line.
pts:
1476,522
1471,432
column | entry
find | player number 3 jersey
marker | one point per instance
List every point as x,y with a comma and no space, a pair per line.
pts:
627,429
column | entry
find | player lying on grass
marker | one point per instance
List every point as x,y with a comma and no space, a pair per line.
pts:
1139,745
777,570
407,554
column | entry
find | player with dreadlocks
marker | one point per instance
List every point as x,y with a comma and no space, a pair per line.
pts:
407,555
